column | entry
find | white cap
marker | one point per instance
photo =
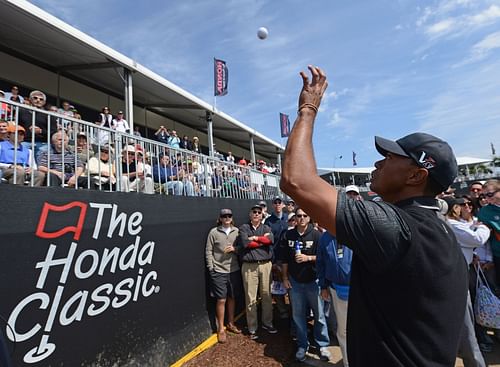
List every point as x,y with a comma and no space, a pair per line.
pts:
352,188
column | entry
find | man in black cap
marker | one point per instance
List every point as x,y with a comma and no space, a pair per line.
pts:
409,278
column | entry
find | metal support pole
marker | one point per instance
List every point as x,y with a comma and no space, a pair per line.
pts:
252,150
129,99
210,134
278,160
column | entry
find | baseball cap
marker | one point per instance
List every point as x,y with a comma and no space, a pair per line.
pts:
262,204
291,215
225,212
256,206
12,128
120,113
352,188
428,151
450,200
276,198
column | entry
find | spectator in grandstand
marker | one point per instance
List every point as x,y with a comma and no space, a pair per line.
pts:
469,236
406,261
218,183
254,241
134,178
224,269
137,131
5,110
120,124
166,174
40,126
333,264
14,95
146,182
105,119
84,149
299,248
230,157
195,145
162,135
186,143
102,170
262,167
62,168
188,180
3,130
66,110
22,163
173,140
490,216
242,161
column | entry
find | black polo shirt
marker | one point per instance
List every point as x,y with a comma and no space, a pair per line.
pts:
408,283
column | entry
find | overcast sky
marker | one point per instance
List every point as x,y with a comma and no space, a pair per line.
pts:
394,67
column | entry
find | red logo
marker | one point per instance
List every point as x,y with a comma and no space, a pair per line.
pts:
40,230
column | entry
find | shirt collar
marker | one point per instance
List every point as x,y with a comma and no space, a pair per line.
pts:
425,202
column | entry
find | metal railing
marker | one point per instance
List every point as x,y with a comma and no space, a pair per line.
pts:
73,153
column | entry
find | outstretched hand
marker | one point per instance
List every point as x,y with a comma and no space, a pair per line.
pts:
312,92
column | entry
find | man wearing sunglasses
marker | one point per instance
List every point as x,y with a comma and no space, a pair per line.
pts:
299,247
409,279
490,215
255,250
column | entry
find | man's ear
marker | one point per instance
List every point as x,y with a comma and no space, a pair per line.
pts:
417,176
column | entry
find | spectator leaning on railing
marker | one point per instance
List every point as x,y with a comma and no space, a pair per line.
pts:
23,159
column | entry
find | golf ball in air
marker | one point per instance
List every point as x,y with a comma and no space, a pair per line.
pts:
262,33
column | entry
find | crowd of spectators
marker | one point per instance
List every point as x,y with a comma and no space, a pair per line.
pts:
277,254
83,154
284,254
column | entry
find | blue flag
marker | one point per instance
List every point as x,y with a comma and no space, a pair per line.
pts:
285,125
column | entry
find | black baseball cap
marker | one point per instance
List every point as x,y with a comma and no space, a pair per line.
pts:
450,200
428,151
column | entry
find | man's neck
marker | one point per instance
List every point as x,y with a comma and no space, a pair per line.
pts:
255,224
301,230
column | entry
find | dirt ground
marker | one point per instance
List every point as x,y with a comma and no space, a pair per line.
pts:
279,350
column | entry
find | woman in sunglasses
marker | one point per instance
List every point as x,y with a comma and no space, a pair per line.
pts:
470,235
224,269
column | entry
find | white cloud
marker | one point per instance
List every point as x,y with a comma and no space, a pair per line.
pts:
451,24
482,49
466,113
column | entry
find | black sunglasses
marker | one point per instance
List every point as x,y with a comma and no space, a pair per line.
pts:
301,215
466,204
489,194
256,212
226,216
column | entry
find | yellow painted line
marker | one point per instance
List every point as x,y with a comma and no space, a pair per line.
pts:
208,343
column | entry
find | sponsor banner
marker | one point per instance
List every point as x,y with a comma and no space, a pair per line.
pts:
94,278
284,125
220,77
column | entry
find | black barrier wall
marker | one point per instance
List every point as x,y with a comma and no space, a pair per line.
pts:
99,279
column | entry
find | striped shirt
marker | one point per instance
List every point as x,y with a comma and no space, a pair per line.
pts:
56,161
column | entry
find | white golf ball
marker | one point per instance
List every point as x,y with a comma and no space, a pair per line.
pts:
262,33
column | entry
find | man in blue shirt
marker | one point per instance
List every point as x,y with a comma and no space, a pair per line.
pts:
165,173
19,162
333,266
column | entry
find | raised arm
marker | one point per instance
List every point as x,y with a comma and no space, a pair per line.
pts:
299,178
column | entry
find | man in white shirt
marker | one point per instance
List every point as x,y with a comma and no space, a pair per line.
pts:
120,124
